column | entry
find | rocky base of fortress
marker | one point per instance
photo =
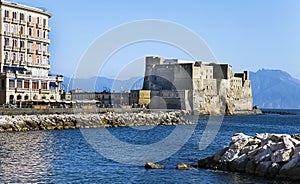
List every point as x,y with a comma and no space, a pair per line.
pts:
72,121
265,155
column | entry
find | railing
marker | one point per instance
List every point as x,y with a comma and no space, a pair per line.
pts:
30,24
7,19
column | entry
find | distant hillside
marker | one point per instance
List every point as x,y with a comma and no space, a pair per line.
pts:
271,88
275,89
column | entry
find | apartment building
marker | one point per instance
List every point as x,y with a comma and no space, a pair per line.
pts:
24,55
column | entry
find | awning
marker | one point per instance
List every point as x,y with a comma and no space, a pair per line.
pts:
53,84
14,68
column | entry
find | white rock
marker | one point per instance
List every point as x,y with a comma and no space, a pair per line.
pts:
282,155
288,144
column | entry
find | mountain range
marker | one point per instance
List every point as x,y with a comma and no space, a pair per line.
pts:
271,88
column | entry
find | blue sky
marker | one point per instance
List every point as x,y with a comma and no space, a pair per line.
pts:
249,35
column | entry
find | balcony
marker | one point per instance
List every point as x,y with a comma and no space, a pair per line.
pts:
23,22
15,21
23,35
16,35
6,33
44,91
20,90
23,63
39,26
7,19
7,47
38,52
16,49
30,51
60,78
16,62
46,66
7,61
22,49
47,28
46,53
30,24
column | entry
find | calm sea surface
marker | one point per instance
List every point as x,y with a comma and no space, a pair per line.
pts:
66,157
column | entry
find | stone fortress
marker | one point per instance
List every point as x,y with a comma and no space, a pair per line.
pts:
208,88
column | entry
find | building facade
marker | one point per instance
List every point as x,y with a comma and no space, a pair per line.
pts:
209,88
24,55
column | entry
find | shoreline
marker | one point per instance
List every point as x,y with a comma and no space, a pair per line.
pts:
16,120
17,123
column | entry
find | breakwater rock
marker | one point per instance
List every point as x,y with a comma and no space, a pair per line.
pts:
71,121
266,155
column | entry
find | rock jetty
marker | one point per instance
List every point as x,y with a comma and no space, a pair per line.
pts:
265,155
71,121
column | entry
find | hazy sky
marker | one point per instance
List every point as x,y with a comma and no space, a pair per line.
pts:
249,35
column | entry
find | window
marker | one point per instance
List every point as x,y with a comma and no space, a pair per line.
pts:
30,32
38,45
14,28
21,30
22,44
6,55
13,56
45,47
35,85
29,18
30,45
38,20
44,22
19,83
29,58
38,33
6,13
44,60
14,15
21,57
21,16
38,59
6,41
44,85
6,28
15,43
26,85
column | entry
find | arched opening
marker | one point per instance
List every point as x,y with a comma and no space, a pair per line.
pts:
35,97
26,97
11,99
19,97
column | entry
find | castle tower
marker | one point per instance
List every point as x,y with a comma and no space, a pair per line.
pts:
150,62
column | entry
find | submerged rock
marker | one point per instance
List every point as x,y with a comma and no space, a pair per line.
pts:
182,166
150,165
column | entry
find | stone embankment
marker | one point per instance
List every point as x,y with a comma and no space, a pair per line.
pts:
71,121
266,155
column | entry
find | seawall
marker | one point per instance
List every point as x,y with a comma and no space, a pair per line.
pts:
26,122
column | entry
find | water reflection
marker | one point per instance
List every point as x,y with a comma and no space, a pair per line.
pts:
25,156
